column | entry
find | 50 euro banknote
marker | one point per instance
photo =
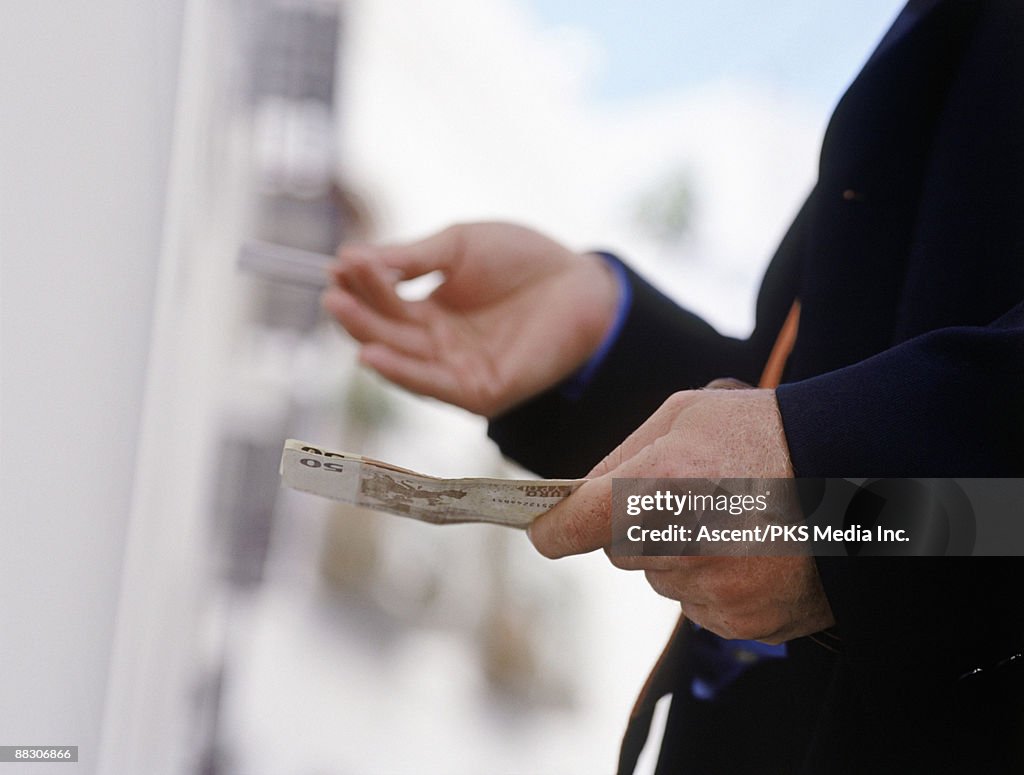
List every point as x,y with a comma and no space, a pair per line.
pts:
374,484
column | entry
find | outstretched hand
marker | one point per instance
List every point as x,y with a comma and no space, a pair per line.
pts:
709,434
514,315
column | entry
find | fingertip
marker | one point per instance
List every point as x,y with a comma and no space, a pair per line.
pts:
335,270
355,251
393,256
369,355
359,267
414,259
335,301
380,358
327,298
543,539
354,265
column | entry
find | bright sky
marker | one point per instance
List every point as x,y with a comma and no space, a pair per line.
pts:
650,47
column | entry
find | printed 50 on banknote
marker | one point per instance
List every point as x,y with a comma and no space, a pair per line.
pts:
374,484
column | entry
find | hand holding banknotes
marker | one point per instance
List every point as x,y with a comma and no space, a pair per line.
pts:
713,433
515,313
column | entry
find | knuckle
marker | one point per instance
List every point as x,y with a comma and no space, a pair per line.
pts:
753,629
660,583
678,401
623,561
722,629
608,463
456,235
739,631
453,232
727,383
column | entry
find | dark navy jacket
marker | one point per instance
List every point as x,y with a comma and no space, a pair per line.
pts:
908,261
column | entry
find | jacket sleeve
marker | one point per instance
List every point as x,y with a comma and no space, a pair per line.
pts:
946,403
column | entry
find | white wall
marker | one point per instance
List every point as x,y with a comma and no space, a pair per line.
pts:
87,93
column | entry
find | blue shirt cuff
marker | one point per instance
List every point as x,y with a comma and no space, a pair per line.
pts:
577,383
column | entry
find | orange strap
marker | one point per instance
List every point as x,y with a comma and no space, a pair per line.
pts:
772,374
649,688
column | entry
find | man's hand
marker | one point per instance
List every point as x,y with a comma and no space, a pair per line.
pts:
515,314
701,434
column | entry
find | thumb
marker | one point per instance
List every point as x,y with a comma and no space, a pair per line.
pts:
579,524
438,252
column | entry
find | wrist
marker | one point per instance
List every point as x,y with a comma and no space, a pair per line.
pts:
612,294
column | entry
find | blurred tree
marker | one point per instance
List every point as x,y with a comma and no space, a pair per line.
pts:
665,212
